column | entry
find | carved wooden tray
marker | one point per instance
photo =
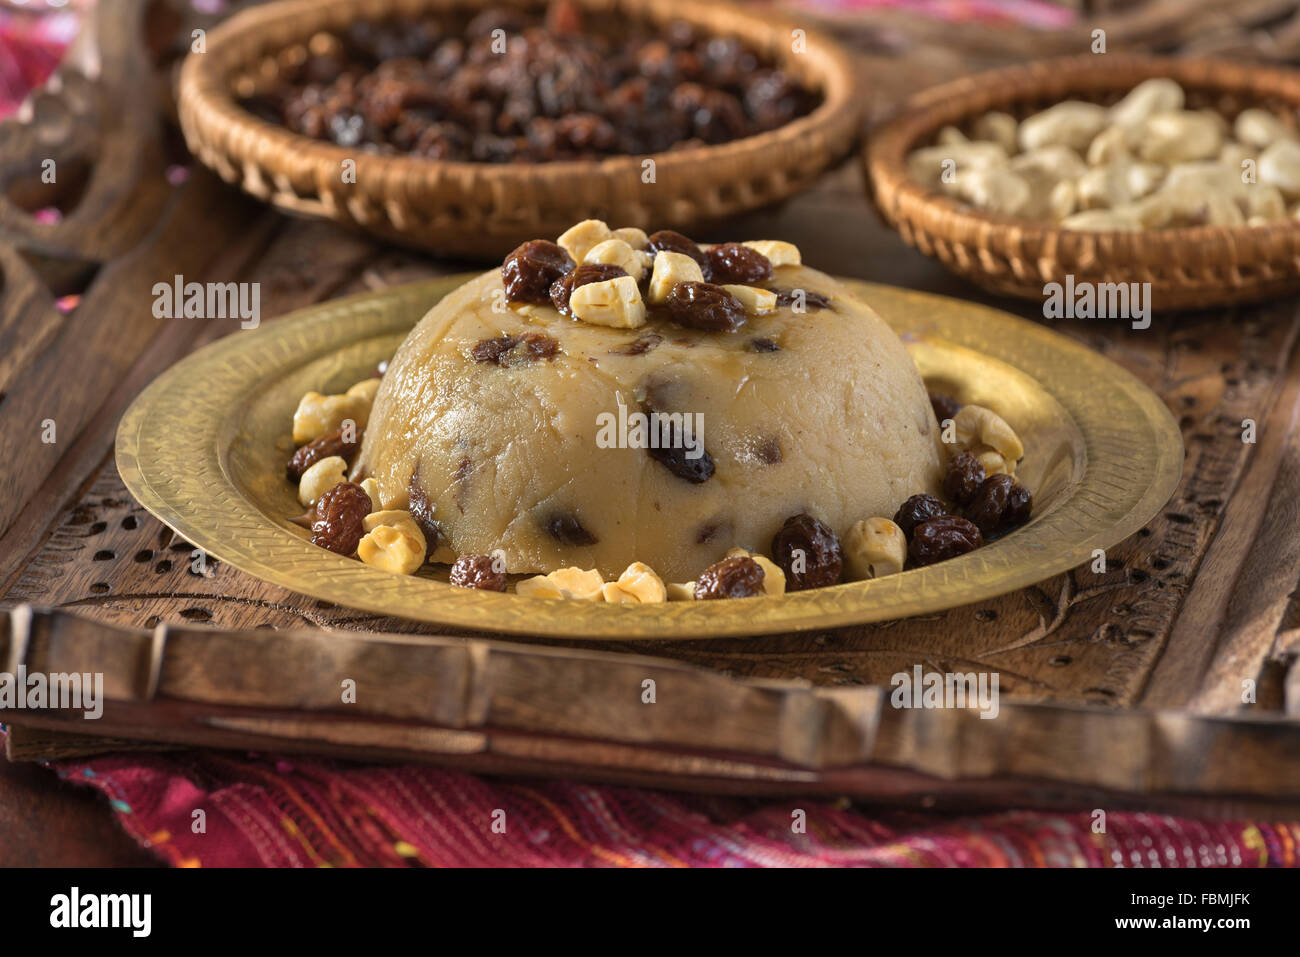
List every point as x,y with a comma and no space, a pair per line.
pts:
203,448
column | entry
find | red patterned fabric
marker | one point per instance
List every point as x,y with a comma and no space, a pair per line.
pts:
260,811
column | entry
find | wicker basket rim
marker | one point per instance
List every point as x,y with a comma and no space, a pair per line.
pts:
888,144
206,97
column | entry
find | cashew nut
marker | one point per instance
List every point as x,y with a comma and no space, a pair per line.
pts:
1073,123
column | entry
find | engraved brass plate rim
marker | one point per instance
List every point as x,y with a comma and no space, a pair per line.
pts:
174,455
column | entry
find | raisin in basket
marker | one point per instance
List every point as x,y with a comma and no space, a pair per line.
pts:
484,209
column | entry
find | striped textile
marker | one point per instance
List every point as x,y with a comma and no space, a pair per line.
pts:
263,811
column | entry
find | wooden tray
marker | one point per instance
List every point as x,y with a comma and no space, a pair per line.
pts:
493,706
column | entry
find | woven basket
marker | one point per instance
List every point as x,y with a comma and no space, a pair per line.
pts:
483,210
1187,268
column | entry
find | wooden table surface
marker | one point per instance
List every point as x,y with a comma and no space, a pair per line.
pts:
1199,601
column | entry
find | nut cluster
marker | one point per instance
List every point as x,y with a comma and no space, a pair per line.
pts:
618,277
1147,162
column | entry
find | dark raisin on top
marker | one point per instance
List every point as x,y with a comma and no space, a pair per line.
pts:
702,305
738,264
562,288
666,240
763,344
477,571
738,577
531,268
566,529
916,510
963,478
941,538
945,406
331,443
1000,504
808,552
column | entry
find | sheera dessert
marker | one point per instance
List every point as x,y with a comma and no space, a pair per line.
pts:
614,413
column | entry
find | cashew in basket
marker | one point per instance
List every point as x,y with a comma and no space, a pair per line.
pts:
1255,127
995,190
1050,163
1157,95
1109,145
1121,219
1233,154
1118,184
931,165
1279,165
976,425
874,548
1179,135
997,127
1073,123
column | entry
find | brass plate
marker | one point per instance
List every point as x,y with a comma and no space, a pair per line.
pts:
204,446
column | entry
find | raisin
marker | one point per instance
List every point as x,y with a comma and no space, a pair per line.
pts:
673,456
738,577
808,545
639,346
763,344
491,350
736,263
477,571
803,299
340,513
945,406
963,478
702,305
942,538
917,510
532,347
331,443
1001,503
421,510
562,288
567,530
531,268
666,240
515,350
